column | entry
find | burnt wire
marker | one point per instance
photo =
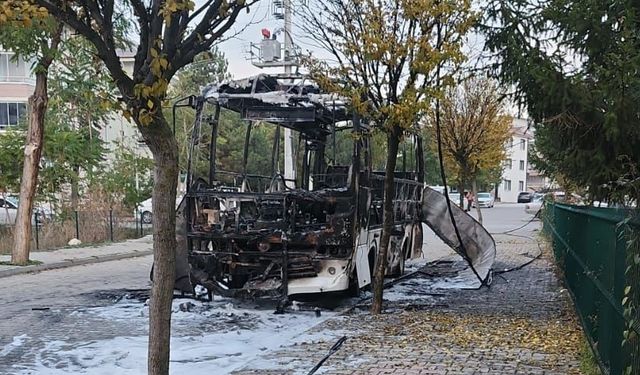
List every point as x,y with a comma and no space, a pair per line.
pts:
536,216
332,350
523,265
444,176
510,233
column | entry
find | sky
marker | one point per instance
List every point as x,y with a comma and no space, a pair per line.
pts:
247,29
248,26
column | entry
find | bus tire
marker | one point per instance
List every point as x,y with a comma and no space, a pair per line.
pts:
416,242
398,270
372,266
354,288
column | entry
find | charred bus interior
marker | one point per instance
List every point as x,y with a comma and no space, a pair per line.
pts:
260,234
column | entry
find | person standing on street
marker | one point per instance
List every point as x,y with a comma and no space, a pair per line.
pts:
470,198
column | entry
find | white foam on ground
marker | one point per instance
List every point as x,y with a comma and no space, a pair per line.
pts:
16,343
207,353
409,291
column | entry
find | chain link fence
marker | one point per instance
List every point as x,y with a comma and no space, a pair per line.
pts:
598,251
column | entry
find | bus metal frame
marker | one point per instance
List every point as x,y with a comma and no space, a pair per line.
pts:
265,236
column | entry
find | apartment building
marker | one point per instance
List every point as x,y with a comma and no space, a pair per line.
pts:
119,131
16,85
516,165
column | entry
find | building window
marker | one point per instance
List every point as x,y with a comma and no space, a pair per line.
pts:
521,185
523,144
13,71
522,165
507,185
508,163
12,113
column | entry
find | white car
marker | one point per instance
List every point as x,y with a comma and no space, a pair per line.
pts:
9,211
537,201
535,205
484,200
455,198
145,211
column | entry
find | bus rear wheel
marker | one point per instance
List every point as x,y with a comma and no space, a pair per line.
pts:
354,288
372,265
398,270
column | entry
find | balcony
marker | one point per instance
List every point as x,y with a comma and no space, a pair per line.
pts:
18,79
15,70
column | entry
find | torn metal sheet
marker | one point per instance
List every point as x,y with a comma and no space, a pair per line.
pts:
478,247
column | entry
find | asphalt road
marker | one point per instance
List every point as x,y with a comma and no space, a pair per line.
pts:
506,216
41,305
501,218
48,306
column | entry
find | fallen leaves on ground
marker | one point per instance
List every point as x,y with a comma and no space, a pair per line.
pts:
527,340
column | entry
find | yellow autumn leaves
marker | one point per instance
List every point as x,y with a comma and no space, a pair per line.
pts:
20,13
389,51
170,7
474,129
543,342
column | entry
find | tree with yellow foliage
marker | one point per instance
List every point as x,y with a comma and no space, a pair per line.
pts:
385,55
170,34
474,130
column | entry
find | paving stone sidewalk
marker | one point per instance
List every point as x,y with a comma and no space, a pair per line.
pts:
522,324
74,256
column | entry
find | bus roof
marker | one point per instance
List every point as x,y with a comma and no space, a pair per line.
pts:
294,101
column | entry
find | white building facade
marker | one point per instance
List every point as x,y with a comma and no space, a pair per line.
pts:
16,85
516,165
119,131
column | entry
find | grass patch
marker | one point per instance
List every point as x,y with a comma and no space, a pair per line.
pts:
588,362
29,263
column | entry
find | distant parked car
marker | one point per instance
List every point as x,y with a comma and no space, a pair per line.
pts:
9,211
484,200
559,196
525,197
145,211
455,198
535,205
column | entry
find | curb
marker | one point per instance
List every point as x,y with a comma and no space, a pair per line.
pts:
73,262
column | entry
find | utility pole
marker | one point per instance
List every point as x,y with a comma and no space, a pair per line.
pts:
289,160
269,53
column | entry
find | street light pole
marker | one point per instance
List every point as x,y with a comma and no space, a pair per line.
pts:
289,161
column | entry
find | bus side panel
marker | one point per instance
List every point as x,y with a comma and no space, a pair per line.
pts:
361,258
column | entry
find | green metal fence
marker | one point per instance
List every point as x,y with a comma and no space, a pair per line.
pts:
593,248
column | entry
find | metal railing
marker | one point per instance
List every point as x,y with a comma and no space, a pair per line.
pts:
90,227
595,250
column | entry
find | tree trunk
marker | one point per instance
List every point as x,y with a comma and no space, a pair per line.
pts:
393,140
475,197
32,153
163,146
463,199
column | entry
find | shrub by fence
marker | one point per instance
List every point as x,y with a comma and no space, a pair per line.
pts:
90,227
598,250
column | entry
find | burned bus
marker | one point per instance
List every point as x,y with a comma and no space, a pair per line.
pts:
267,234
